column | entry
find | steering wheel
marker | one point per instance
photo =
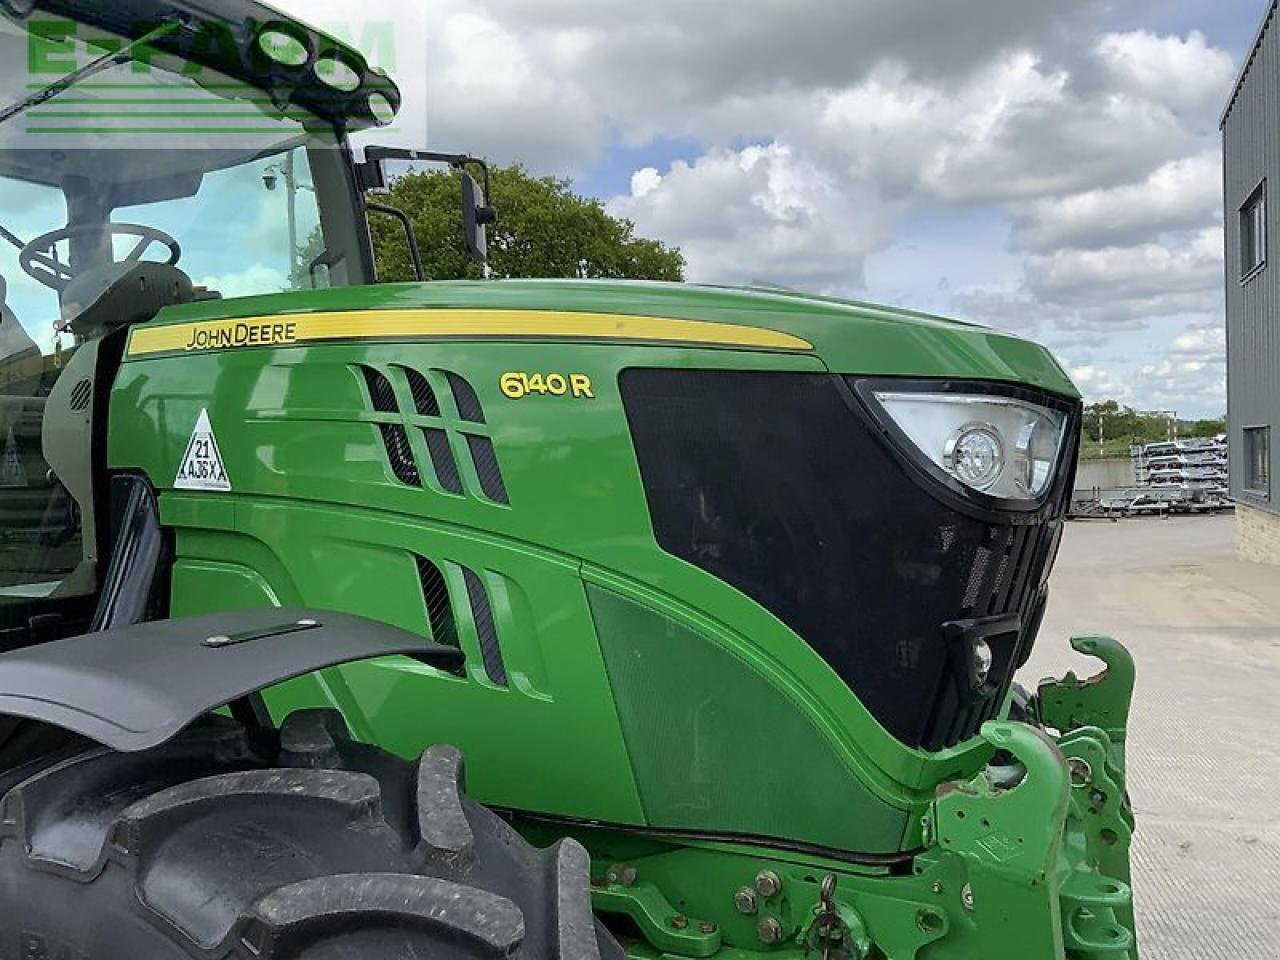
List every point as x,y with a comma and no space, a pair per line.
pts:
39,258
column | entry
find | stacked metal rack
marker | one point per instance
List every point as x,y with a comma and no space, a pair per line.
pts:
1195,466
1172,476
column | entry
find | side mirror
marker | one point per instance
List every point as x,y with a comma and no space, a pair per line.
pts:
476,212
476,217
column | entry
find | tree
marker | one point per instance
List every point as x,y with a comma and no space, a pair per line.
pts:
1108,420
543,230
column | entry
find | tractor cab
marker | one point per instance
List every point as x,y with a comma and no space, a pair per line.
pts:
147,159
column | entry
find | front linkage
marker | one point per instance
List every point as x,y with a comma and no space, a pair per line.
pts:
1029,860
1046,853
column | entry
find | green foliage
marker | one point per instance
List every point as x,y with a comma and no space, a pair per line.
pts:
1109,428
543,230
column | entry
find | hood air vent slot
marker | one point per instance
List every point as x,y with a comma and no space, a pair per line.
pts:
435,593
442,459
400,454
464,395
395,439
486,629
380,391
487,470
424,398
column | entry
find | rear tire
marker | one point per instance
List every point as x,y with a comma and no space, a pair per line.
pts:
274,846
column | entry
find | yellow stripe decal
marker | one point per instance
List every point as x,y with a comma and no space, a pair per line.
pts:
288,329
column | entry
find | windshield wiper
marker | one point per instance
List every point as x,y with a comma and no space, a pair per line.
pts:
105,62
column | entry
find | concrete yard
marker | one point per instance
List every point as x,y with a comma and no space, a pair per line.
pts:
1204,739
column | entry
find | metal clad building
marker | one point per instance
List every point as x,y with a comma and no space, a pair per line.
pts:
1251,182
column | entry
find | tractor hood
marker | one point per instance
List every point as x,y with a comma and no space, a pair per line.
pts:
847,336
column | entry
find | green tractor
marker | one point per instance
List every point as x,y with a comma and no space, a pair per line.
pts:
720,592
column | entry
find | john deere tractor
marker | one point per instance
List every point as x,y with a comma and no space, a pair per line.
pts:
719,592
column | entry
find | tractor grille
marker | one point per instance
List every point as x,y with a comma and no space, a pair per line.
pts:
804,507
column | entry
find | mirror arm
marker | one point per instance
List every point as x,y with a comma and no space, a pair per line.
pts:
409,235
371,172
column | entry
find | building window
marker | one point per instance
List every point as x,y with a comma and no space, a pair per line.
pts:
1257,459
1253,231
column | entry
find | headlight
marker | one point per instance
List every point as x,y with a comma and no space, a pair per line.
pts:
1000,446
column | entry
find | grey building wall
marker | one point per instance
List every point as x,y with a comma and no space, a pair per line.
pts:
1251,152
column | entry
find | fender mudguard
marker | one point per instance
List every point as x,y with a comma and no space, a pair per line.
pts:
134,687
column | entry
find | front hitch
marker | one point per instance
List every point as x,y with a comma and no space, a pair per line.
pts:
1101,701
1046,856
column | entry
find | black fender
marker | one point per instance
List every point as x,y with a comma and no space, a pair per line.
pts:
135,687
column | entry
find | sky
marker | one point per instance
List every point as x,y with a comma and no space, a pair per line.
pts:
1045,167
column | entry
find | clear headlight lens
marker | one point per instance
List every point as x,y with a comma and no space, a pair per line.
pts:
1000,446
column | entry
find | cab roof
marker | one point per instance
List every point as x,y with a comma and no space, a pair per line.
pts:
223,35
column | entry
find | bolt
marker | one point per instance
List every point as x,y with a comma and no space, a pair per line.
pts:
679,921
770,930
966,896
628,876
768,884
936,886
612,876
744,898
706,926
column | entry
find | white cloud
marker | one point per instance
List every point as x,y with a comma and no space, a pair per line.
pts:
1190,387
1097,382
644,181
759,213
1202,344
1187,73
1179,195
1172,278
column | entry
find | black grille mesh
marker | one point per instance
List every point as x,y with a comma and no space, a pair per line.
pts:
487,470
381,392
486,629
442,459
805,508
424,398
464,396
435,593
400,454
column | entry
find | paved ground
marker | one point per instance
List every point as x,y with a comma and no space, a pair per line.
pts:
1204,748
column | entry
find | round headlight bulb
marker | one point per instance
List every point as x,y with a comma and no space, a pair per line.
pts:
975,455
982,661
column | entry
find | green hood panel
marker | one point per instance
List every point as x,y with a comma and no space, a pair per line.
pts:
849,337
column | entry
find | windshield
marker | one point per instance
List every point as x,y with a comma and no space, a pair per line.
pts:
155,159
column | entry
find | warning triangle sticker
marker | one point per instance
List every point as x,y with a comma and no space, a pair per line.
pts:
202,467
12,473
